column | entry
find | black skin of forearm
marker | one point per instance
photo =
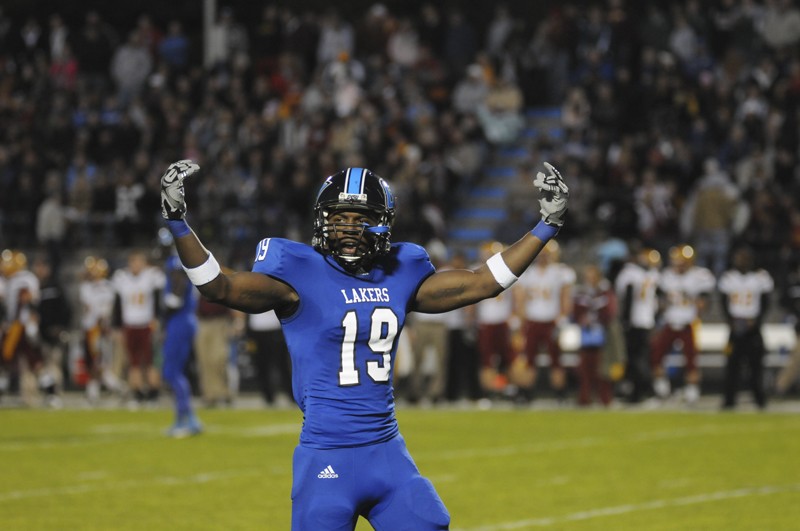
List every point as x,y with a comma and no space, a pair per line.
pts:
448,290
243,291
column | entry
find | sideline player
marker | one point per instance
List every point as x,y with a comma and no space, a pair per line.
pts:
494,316
686,289
546,305
180,329
637,286
342,302
96,295
745,294
138,287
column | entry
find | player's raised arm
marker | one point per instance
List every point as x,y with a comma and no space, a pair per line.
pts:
245,291
452,289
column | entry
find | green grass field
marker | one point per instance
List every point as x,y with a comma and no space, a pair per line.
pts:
495,470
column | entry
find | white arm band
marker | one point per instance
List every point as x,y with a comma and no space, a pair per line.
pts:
203,274
502,274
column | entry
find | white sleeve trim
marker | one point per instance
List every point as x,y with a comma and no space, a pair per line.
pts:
502,274
203,274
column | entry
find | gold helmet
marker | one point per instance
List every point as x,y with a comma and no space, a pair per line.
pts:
491,248
650,258
681,255
12,261
96,268
552,251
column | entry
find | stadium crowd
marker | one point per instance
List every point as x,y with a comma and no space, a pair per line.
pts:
679,122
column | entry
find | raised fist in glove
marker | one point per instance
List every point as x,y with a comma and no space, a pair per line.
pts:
553,195
173,202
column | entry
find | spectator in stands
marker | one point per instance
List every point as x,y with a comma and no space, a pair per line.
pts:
64,70
710,213
229,42
150,33
460,42
130,66
402,47
51,221
780,27
576,110
500,115
174,48
656,209
335,38
471,91
268,37
94,47
499,31
126,213
745,294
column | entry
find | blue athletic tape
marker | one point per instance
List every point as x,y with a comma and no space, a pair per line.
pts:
543,231
178,227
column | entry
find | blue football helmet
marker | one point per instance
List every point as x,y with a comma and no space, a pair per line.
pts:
354,245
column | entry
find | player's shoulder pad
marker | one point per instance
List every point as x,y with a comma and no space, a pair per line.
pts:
408,250
410,257
279,256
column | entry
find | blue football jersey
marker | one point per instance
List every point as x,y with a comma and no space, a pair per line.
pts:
189,295
343,336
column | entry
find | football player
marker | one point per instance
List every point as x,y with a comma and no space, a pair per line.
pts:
96,295
546,305
636,287
20,337
685,288
745,300
342,302
494,317
137,287
180,329
595,308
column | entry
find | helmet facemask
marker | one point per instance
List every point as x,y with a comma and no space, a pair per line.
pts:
353,217
353,245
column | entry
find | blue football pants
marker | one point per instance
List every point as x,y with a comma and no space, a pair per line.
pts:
332,488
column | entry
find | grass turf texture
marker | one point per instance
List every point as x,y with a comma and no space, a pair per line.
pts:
495,470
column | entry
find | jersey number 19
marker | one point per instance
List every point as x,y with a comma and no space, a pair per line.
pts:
383,330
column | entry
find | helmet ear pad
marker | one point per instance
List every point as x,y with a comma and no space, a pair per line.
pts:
354,190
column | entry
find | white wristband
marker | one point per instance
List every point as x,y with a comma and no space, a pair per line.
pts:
203,274
500,271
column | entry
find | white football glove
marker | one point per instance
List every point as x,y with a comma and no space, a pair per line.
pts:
173,202
553,195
